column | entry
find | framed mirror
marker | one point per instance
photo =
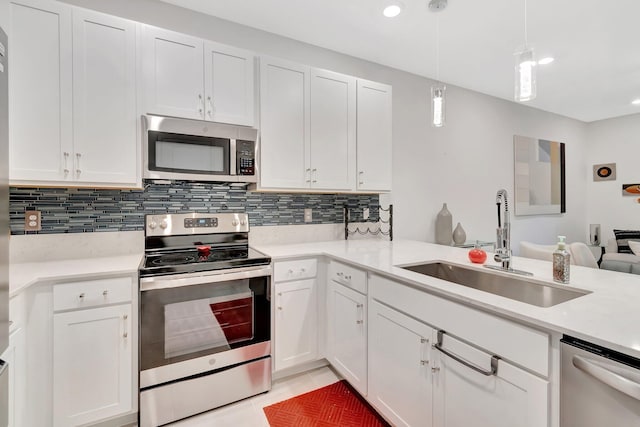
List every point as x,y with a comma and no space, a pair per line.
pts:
539,176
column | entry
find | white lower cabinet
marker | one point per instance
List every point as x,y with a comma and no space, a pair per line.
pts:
296,323
347,334
15,357
91,364
462,387
464,397
400,362
94,343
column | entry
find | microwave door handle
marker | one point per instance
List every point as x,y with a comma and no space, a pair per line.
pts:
233,171
612,379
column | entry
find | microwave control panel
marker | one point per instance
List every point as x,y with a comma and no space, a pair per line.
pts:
246,157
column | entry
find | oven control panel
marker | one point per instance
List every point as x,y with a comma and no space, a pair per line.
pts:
200,222
196,223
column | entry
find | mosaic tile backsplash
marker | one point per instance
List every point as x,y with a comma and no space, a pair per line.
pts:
78,210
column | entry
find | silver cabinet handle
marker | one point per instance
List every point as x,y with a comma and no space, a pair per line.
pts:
424,362
105,292
81,296
360,305
279,308
361,180
435,369
339,274
359,322
124,321
494,358
424,340
308,171
314,171
210,111
78,170
612,379
66,162
200,105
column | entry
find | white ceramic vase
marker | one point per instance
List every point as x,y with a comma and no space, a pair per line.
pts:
459,235
444,225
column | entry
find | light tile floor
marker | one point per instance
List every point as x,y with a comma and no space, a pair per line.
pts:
249,413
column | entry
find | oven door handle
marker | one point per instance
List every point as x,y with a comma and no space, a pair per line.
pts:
164,282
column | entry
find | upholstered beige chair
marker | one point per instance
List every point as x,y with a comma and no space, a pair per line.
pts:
580,253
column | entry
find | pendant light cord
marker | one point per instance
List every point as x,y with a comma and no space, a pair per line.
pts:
438,47
526,41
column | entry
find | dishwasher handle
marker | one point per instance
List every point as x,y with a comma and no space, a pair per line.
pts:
612,379
494,358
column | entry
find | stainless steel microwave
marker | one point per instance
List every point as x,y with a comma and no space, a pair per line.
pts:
194,150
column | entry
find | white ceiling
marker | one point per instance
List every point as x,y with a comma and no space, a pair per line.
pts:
596,43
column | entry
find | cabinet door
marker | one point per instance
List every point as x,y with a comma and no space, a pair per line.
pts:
399,367
347,334
104,94
333,130
296,323
92,347
15,357
374,136
40,134
173,71
229,77
284,125
464,397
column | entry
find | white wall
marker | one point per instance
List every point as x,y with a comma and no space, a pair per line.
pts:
613,141
463,164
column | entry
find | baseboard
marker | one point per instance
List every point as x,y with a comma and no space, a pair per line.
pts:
309,366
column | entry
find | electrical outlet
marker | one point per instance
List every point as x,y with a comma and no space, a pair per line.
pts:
365,213
308,215
32,221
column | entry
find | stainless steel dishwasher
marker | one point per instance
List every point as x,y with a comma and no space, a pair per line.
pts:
599,387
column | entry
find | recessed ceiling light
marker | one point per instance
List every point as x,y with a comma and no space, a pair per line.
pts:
392,10
636,101
545,61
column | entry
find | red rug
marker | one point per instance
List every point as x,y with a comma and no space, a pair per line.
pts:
334,405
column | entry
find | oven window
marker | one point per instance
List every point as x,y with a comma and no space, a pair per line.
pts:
187,322
188,154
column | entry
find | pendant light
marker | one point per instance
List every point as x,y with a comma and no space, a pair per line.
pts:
525,68
438,89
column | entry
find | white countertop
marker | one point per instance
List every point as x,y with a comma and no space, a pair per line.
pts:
23,275
609,316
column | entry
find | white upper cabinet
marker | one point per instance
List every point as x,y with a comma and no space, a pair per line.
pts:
228,82
192,78
104,98
284,124
173,71
322,130
374,136
333,130
74,124
40,96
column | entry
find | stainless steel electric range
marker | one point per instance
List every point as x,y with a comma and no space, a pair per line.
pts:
205,316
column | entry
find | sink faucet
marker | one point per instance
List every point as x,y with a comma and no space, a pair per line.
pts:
503,233
503,236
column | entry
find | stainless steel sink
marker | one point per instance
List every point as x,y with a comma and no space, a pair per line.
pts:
516,288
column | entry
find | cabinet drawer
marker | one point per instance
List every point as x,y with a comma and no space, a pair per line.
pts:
69,296
348,276
295,270
512,341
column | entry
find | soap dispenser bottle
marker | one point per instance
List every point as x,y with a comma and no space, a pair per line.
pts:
561,258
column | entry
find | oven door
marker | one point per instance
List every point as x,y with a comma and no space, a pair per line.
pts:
195,323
